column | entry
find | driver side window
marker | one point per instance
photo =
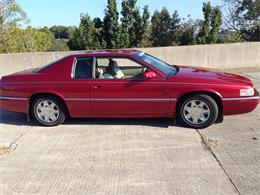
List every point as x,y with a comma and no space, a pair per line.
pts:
119,68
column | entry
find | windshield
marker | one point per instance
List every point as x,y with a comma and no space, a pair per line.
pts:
159,64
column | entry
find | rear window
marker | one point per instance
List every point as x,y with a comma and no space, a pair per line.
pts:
83,68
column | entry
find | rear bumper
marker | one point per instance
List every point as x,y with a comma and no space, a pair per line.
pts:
14,104
240,105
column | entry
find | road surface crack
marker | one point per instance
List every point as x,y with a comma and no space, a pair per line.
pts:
207,147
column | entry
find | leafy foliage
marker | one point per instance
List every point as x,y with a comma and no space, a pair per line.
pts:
134,27
16,39
111,25
164,27
127,26
244,17
83,36
187,32
19,40
61,32
211,24
11,14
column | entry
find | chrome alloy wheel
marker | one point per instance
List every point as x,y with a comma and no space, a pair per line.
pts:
47,111
196,112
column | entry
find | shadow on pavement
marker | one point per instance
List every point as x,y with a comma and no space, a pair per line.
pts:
18,119
12,118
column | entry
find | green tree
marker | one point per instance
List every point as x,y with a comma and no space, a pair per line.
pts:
124,41
164,27
25,40
86,29
187,31
61,32
216,22
137,36
15,39
98,39
83,37
59,45
175,26
75,41
141,23
111,25
89,35
35,41
11,14
134,26
211,24
145,28
56,44
203,36
127,20
10,40
230,36
244,18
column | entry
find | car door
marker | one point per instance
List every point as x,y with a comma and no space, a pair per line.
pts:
77,90
129,96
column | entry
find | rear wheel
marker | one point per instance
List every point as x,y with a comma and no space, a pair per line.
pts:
48,111
197,111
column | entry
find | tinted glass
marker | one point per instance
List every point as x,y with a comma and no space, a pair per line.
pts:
83,68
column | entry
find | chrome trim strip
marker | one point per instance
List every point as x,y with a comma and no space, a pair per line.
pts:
12,98
241,98
120,99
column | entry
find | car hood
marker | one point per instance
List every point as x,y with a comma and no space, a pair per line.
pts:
210,76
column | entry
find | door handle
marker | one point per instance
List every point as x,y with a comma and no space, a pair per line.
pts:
98,87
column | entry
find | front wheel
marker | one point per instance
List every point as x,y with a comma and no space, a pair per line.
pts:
197,111
48,111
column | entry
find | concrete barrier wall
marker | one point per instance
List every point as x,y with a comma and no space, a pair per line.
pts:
219,56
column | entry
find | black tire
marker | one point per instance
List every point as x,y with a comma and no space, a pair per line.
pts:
59,106
211,105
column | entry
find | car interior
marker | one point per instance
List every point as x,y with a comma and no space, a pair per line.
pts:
116,68
109,68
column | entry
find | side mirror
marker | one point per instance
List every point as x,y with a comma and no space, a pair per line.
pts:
151,75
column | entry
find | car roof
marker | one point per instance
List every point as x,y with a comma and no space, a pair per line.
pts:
107,52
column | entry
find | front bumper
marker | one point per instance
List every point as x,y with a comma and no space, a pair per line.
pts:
240,105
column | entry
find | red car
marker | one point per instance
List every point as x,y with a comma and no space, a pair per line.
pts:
126,83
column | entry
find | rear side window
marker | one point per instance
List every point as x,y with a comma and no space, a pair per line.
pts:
83,68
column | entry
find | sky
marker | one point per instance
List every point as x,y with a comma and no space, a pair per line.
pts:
67,12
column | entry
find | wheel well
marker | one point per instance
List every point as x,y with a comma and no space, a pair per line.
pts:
216,97
34,96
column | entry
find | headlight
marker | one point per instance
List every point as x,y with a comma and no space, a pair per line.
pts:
247,92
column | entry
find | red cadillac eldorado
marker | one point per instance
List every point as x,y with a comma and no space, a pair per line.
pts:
126,83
